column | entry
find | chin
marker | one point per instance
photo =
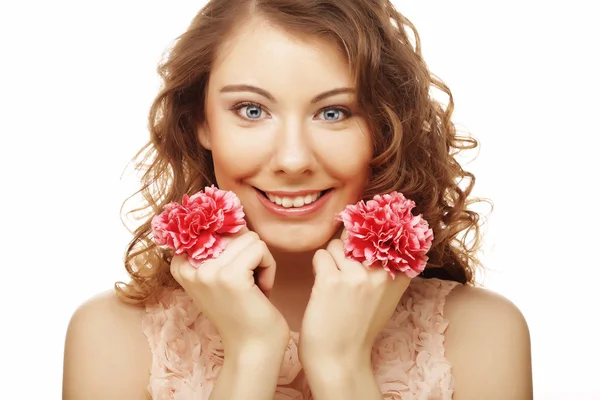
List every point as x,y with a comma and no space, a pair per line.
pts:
296,239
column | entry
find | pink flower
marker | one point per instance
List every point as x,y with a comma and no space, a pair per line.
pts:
384,231
195,226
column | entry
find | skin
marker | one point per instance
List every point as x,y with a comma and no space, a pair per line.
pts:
286,141
292,145
289,143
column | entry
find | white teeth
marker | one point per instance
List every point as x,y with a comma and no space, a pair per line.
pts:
298,201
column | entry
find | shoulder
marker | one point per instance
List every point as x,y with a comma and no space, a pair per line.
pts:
106,353
488,345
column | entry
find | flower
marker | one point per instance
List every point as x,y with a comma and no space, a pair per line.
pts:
195,226
384,231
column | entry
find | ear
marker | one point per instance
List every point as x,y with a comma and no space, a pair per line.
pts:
203,135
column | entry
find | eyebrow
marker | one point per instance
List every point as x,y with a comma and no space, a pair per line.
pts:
269,96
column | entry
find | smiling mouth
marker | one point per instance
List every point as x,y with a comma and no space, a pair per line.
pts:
293,201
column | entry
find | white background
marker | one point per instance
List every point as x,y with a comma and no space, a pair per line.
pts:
76,81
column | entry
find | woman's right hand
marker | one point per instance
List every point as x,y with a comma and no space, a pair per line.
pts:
235,302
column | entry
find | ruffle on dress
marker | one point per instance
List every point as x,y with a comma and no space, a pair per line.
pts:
408,357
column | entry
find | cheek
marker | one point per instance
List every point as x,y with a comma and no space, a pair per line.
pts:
233,159
347,157
236,152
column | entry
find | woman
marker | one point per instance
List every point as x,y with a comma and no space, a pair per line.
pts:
300,108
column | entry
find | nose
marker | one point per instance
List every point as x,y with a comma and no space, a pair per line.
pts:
293,151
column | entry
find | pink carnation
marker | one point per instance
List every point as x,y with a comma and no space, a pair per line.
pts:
195,226
384,231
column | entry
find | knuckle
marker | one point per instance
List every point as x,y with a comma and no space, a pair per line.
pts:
380,277
331,245
356,279
186,273
227,277
320,253
262,246
320,256
205,276
253,235
257,247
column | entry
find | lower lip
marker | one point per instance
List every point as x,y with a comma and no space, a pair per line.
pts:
294,211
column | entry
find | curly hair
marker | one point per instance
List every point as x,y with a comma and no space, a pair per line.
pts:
415,143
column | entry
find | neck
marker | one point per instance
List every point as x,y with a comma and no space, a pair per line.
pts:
294,280
293,285
294,269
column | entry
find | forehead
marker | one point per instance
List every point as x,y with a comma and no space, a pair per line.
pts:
263,54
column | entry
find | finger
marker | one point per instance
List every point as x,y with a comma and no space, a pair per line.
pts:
233,244
255,257
323,263
378,274
265,274
336,249
236,245
184,272
174,268
181,269
400,279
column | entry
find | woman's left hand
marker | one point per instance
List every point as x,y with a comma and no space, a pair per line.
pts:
349,305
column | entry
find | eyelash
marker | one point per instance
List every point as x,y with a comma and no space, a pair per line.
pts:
236,108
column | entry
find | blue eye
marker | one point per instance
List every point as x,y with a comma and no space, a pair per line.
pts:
332,114
335,114
253,112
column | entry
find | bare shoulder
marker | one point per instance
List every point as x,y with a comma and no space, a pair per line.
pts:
488,346
107,355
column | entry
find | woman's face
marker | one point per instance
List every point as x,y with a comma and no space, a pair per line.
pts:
285,134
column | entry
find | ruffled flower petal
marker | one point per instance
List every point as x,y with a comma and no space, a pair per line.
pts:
384,232
195,226
407,357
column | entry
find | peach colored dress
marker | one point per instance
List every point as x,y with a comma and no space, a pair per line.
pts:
407,358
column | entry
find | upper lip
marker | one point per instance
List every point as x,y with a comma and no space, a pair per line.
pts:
296,193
